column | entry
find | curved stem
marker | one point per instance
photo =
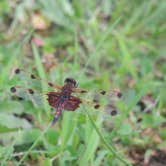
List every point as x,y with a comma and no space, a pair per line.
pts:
34,144
108,145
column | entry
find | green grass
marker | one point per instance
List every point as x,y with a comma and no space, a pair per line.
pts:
103,45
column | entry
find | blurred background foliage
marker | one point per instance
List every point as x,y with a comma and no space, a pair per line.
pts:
103,44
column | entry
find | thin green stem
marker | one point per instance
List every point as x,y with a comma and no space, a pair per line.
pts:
98,46
34,144
32,152
108,145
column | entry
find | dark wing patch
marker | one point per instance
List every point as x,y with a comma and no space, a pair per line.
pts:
53,99
72,104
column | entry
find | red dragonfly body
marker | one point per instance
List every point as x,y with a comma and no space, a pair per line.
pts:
59,100
63,100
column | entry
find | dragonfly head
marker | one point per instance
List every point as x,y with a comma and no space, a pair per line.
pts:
71,82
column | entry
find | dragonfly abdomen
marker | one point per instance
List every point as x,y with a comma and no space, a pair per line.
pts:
58,113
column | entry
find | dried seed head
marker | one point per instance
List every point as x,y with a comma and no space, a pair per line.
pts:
119,94
96,106
31,91
103,92
18,98
50,84
33,76
13,89
139,120
83,91
113,112
17,71
95,100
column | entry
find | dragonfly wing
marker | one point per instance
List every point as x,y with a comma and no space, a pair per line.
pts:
29,79
52,98
72,104
21,93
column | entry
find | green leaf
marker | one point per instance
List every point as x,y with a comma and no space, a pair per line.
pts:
46,162
4,129
125,129
28,136
10,121
152,121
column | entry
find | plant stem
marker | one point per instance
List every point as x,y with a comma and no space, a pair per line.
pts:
108,145
34,144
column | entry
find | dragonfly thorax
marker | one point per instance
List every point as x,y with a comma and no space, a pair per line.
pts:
64,97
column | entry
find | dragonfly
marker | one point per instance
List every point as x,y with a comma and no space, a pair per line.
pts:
61,97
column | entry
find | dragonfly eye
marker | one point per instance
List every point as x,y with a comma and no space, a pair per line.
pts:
71,81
